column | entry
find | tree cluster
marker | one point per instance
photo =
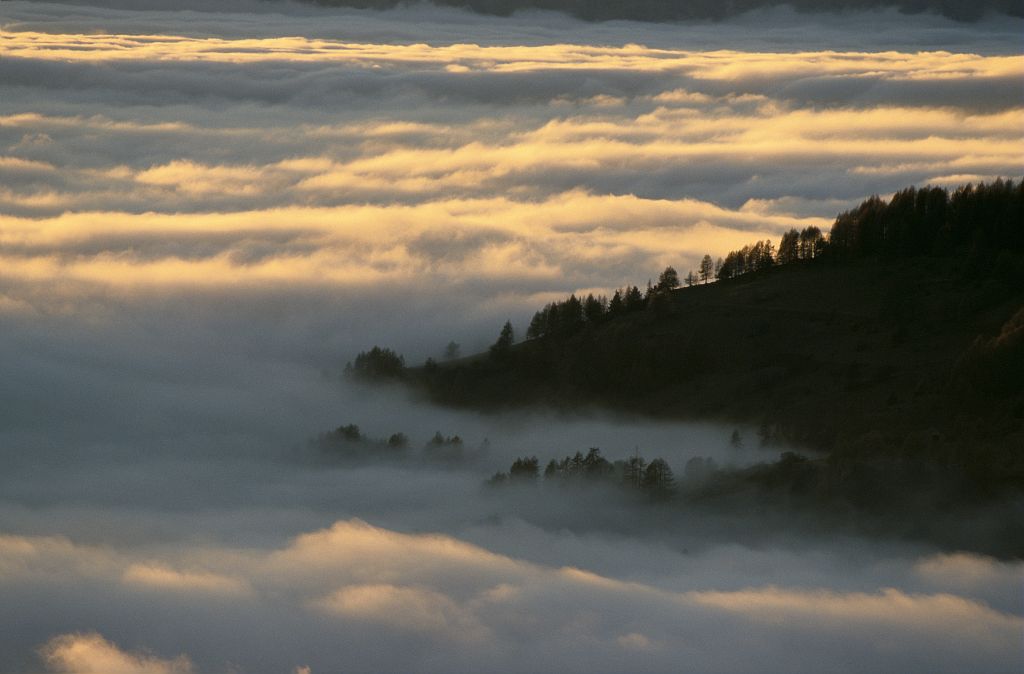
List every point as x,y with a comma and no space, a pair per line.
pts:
982,224
503,346
440,440
376,364
349,442
752,258
654,479
806,244
568,316
573,314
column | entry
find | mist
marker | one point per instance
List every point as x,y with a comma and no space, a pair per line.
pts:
180,481
207,211
166,508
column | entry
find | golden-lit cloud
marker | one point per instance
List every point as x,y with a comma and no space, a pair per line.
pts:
464,58
455,181
165,579
888,607
411,608
33,558
465,238
92,654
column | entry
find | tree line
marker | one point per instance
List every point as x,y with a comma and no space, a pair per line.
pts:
349,442
572,314
654,478
981,226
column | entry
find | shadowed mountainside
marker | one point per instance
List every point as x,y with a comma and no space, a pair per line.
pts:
898,353
823,353
907,319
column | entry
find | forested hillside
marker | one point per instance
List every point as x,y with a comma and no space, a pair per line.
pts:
895,344
906,307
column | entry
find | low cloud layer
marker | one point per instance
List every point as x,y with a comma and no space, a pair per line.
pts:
370,599
205,211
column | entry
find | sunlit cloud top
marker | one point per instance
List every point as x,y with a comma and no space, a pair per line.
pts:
723,64
144,155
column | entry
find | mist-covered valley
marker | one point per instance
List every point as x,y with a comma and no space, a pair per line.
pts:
178,506
207,210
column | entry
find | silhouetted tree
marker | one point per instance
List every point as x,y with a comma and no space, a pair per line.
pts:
633,473
730,266
524,469
538,325
377,363
669,279
594,308
616,305
503,347
634,299
350,433
596,466
812,243
789,247
658,480
451,352
570,315
707,267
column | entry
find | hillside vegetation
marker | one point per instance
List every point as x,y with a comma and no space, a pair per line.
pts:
894,346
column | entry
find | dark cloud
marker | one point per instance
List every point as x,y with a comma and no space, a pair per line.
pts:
978,95
453,245
242,246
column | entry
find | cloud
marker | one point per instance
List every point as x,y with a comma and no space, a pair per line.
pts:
411,608
887,608
574,235
92,654
204,214
468,605
162,578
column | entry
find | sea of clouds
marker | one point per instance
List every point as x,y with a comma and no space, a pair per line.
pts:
205,210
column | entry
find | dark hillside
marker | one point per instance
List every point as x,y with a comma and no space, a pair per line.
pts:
909,380
894,346
905,319
825,354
